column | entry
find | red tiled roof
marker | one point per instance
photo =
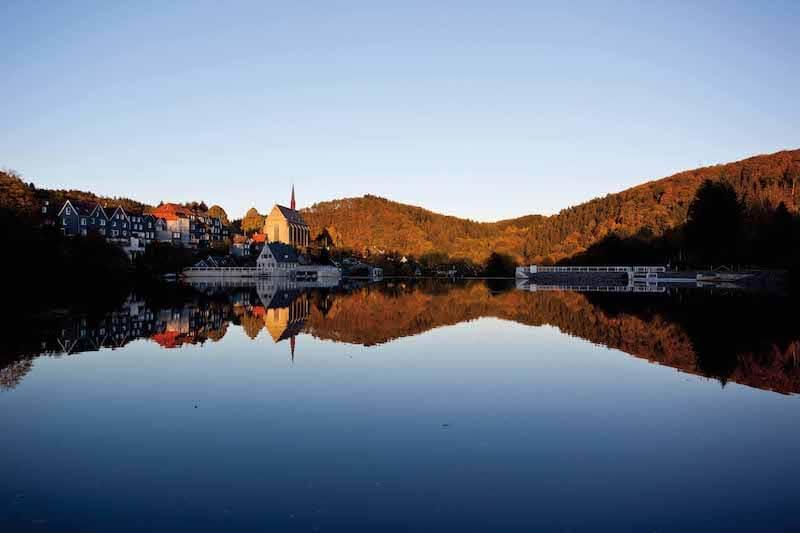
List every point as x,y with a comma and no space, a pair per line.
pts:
171,211
167,339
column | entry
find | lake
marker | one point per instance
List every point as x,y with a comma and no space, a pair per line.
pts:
403,406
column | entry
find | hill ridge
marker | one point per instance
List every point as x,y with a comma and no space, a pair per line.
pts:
371,223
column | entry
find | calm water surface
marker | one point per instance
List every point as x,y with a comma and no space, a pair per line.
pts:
403,407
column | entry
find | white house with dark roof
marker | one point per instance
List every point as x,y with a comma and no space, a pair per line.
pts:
277,259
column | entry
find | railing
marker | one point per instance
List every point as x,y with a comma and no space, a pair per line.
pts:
224,270
625,269
597,288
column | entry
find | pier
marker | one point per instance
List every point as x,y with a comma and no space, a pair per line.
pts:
299,272
590,275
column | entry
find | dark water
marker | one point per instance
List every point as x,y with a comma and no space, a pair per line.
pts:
403,407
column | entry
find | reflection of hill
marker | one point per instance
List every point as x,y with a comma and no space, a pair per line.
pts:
371,316
738,337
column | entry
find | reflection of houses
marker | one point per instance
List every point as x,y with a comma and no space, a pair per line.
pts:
169,327
132,320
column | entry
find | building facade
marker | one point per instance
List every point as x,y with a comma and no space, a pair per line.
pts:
286,225
81,218
134,229
189,227
277,259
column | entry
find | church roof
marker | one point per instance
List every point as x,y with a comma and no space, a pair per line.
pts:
291,215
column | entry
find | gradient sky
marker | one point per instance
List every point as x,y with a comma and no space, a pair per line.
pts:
487,110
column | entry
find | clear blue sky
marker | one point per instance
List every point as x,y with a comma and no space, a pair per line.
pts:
487,110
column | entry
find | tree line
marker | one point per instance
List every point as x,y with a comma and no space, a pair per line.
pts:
650,217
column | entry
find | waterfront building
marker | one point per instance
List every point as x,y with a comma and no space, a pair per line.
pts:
277,259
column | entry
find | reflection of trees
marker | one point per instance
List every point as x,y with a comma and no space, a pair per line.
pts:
734,336
12,374
216,334
711,334
252,324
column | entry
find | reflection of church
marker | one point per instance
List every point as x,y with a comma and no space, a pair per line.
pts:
286,309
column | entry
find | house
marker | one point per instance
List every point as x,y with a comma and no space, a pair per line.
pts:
47,211
216,262
176,222
118,226
143,225
189,227
240,247
81,218
286,225
277,259
257,242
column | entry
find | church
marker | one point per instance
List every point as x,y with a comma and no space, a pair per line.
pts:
286,225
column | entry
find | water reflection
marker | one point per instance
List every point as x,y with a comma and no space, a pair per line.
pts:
748,338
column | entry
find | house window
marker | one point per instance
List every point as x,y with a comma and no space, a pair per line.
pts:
69,211
113,223
83,222
63,221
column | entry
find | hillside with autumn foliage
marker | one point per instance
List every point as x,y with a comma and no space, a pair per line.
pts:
376,225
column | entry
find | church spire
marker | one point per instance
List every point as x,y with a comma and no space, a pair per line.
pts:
292,205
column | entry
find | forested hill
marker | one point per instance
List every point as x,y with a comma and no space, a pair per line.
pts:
376,224
380,225
21,197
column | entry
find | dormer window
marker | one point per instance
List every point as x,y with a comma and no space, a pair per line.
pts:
68,211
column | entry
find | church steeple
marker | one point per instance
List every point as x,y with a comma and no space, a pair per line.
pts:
292,205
